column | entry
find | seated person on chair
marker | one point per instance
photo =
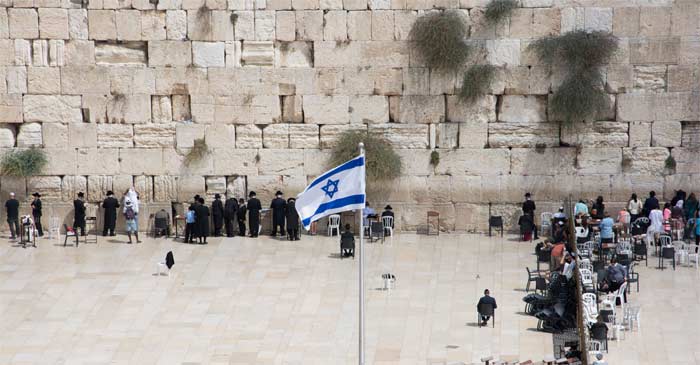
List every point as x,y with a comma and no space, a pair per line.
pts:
527,226
569,266
347,242
615,277
486,299
368,213
559,216
162,223
388,212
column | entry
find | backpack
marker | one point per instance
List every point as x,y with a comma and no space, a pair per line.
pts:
130,214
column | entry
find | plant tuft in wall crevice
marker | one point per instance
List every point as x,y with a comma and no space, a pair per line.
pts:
439,39
27,162
382,163
476,82
499,10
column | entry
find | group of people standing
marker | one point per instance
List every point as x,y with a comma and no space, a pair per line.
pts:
223,214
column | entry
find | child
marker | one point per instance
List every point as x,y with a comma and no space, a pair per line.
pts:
189,227
132,225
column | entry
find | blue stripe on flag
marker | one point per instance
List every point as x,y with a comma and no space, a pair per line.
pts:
333,204
359,161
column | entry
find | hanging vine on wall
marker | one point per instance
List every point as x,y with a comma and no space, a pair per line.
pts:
476,82
382,162
499,10
581,95
23,162
439,38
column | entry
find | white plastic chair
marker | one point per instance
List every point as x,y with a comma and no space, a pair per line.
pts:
594,346
54,228
681,252
586,277
633,317
545,221
333,223
388,223
162,266
693,255
591,304
585,264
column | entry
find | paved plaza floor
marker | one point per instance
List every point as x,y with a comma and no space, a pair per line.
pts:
265,301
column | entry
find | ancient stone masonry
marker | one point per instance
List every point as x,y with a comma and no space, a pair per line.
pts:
116,92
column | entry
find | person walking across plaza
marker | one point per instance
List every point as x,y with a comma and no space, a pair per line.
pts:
254,209
36,213
278,207
230,210
217,213
131,219
240,216
79,214
110,205
12,209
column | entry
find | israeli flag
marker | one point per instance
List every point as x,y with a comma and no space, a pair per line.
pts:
338,190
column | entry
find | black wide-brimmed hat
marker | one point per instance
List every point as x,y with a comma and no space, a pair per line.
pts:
252,193
110,192
292,199
278,193
36,194
217,196
388,207
81,194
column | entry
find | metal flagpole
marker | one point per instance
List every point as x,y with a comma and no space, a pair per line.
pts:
361,333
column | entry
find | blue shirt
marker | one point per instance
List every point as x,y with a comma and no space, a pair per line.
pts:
189,216
580,208
606,228
697,226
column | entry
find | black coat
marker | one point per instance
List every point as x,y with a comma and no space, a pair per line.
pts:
79,207
217,208
241,213
230,208
12,206
278,207
36,207
201,220
254,208
292,216
529,207
110,205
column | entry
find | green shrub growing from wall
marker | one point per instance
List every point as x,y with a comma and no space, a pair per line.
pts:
439,38
476,82
23,162
381,161
499,10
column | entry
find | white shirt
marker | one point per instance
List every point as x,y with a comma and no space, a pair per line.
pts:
657,221
635,207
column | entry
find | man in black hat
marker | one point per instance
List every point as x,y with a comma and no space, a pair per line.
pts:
230,210
12,207
217,213
36,213
201,221
292,220
110,205
278,207
254,208
79,214
529,209
240,217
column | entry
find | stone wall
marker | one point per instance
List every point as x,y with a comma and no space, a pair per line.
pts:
116,91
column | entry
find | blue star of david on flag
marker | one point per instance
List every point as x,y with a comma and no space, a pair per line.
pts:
331,187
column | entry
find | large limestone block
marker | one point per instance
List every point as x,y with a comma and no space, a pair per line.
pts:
666,134
276,136
94,161
503,52
294,54
13,184
78,23
22,52
546,22
654,21
690,134
644,160
102,24
442,82
335,25
60,160
236,187
161,109
215,185
141,161
16,80
528,161
523,134
9,48
383,25
125,53
131,109
623,186
649,107
683,78
369,109
230,161
222,28
114,135
309,25
43,80
248,136
11,108
265,25
169,53
595,134
153,25
79,53
331,132
403,22
654,50
672,183
248,81
51,108
218,135
29,135
640,134
522,109
359,25
97,187
7,136
592,161
473,134
303,136
189,186
144,187
683,18
285,27
292,111
154,135
598,19
85,80
315,162
416,81
23,23
321,109
128,25
258,53
481,111
403,135
176,24
186,133
164,188
687,161
238,109
420,109
48,186
650,78
181,108
412,217
181,81
208,54
446,135
71,186
620,79
626,21
53,23
277,162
